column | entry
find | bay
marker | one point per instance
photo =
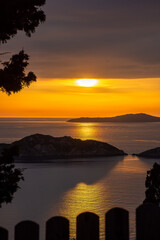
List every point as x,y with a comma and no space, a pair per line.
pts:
131,137
69,188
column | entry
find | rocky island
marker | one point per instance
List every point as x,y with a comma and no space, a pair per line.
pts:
139,117
152,153
38,148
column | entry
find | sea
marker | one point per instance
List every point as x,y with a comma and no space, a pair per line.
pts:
69,187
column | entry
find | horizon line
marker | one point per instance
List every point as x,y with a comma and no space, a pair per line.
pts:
158,115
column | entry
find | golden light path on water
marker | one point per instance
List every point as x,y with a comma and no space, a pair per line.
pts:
83,198
87,130
99,197
72,187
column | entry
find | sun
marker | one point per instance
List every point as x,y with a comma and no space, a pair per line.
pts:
87,82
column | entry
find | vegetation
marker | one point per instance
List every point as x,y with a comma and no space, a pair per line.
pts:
152,184
13,77
9,180
17,16
9,176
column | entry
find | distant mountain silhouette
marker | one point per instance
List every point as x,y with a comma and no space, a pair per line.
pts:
138,117
40,147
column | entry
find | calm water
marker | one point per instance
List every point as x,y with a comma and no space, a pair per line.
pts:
132,137
68,189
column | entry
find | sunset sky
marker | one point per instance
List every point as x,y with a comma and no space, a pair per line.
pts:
113,41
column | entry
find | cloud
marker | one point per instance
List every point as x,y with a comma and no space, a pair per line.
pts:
97,38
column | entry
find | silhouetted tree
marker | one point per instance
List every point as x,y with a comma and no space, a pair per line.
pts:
9,180
15,15
9,175
24,15
18,15
152,184
13,77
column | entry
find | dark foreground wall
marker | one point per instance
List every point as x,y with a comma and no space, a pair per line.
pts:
116,226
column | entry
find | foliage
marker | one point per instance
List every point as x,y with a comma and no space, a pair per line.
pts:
13,77
152,184
17,15
9,179
9,175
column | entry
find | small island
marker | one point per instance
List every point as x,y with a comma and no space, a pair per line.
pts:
38,148
138,117
152,153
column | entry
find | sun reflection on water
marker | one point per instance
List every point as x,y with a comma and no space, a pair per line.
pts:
129,166
87,131
83,198
116,189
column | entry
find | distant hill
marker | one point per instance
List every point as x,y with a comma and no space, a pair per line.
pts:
152,153
38,148
139,117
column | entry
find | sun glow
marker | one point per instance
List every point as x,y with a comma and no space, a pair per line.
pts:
65,98
87,82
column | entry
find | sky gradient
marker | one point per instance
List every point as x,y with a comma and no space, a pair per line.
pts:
116,41
64,98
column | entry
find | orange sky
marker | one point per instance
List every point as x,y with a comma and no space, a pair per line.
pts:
64,98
